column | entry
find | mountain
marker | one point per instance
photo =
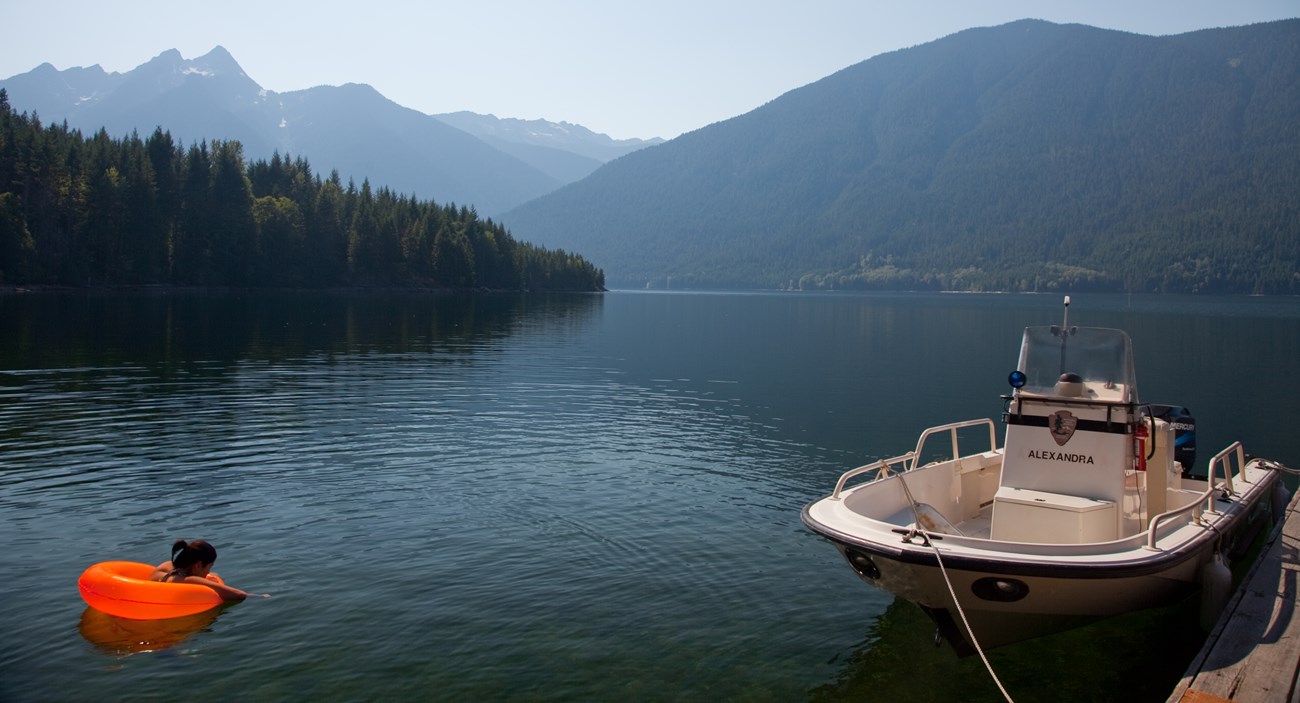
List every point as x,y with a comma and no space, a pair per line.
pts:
205,98
402,149
351,128
1029,156
568,152
49,91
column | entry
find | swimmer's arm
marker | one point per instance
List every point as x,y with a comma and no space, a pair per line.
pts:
226,592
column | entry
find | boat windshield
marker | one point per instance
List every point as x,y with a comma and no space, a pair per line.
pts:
1101,359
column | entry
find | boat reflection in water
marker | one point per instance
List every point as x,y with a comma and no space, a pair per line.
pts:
121,637
1134,657
1089,509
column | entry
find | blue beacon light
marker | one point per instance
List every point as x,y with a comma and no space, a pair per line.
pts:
1017,379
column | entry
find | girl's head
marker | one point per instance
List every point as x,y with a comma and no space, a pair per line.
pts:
193,556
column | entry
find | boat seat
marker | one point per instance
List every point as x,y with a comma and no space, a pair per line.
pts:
1070,385
1023,515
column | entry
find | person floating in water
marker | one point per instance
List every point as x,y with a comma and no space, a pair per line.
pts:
191,562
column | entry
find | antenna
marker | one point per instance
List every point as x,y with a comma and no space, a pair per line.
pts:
1065,332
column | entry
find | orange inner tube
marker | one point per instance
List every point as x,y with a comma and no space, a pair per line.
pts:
123,588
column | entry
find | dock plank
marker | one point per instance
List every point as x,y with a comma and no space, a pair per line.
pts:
1254,651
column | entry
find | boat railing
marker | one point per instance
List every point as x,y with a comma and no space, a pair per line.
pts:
909,460
877,466
1233,449
952,428
1205,501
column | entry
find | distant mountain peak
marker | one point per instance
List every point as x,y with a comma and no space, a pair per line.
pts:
219,61
544,133
168,57
359,89
218,52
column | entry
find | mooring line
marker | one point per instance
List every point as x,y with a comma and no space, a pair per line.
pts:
916,513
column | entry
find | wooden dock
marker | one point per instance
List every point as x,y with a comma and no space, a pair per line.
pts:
1253,654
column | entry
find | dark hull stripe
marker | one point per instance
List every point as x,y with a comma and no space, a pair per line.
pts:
1083,426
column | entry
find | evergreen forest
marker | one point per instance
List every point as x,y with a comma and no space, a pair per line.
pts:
99,211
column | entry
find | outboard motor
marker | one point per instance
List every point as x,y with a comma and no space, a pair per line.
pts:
1184,433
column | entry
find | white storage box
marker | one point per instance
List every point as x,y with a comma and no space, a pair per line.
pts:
1023,515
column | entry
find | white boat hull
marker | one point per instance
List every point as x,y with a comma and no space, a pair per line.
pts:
1014,592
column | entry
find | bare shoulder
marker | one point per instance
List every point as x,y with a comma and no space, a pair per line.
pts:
160,572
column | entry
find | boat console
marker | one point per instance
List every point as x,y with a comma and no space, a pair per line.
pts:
1070,437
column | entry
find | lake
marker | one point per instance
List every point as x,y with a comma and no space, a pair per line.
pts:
565,497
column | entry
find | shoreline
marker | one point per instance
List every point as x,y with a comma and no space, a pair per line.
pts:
39,288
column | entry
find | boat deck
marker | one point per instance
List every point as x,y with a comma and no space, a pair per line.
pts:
980,526
1253,654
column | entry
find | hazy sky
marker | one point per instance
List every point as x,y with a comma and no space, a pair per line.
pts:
623,67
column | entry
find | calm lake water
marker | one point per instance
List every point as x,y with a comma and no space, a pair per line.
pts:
587,497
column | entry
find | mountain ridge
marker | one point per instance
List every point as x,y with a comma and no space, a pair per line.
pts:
569,152
1026,156
211,97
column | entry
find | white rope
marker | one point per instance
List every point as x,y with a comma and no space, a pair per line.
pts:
1278,466
951,591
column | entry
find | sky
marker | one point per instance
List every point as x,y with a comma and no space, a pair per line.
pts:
626,68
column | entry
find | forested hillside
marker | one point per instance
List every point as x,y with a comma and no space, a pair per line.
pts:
1030,156
104,211
350,128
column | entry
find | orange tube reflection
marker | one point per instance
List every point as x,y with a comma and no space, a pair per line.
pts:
120,636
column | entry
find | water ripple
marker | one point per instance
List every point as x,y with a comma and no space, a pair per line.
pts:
524,500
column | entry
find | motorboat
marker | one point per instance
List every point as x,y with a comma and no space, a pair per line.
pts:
1091,507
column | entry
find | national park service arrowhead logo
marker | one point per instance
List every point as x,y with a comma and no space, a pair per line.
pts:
1061,424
